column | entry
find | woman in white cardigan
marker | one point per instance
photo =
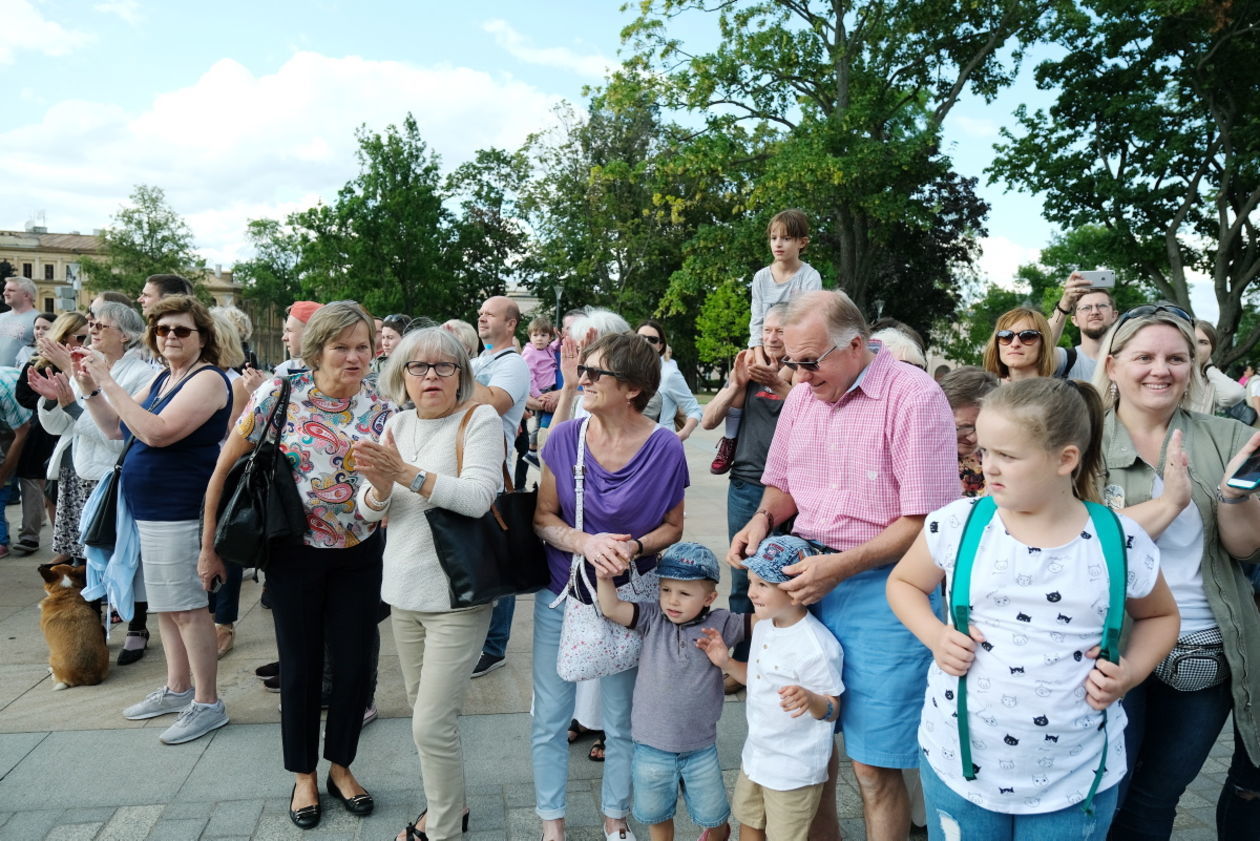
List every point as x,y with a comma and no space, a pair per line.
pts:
411,470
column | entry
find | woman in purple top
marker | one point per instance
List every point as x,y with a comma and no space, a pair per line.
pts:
632,507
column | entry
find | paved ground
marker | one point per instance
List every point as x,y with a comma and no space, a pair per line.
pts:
72,768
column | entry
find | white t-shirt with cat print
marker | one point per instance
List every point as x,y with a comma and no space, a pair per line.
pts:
1034,738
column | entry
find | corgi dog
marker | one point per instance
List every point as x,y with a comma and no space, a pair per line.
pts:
77,655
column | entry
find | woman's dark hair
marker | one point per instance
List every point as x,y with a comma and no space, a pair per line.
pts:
176,305
398,322
1209,330
660,331
636,364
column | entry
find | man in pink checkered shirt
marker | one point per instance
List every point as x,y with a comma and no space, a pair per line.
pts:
864,449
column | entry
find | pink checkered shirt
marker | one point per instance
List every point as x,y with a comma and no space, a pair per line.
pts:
885,449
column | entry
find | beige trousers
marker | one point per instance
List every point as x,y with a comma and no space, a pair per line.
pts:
437,653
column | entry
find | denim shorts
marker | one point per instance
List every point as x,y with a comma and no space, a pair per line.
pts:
656,774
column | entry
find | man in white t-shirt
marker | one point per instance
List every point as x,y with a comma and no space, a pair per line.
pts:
17,326
502,381
1093,311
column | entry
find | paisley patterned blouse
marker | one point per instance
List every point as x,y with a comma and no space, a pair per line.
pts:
316,438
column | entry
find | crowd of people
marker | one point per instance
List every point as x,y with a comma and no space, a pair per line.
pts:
1024,594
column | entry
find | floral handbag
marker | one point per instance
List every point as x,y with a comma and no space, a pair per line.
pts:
590,645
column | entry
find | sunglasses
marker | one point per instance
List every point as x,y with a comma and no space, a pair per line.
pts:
421,369
593,374
652,340
810,366
1151,309
83,337
1026,337
180,331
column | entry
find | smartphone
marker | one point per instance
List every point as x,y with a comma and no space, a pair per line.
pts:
216,584
1247,477
1100,278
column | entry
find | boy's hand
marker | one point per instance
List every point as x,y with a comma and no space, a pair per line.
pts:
712,644
1107,681
954,651
796,700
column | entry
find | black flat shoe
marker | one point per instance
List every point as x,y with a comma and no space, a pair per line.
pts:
130,655
305,818
414,834
360,804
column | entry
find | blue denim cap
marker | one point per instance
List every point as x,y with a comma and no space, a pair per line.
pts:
688,562
775,553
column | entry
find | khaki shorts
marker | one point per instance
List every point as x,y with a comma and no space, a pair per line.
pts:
782,815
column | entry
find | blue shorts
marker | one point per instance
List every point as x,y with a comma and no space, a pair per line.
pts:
885,671
656,774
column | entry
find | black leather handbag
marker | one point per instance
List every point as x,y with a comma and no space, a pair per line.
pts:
494,555
260,505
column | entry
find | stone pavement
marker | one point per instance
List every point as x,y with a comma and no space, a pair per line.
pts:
72,768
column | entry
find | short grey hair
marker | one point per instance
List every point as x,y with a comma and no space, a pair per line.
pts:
125,319
841,316
327,323
25,284
430,342
901,346
240,320
464,332
604,322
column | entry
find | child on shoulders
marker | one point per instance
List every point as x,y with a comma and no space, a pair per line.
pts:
794,687
678,693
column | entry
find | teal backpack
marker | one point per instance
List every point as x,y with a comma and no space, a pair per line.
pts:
1111,538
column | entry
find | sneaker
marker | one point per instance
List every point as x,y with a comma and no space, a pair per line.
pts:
25,547
4,549
488,663
159,702
194,722
267,670
272,684
370,714
725,456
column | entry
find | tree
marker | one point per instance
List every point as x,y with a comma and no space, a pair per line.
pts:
6,269
839,108
147,237
272,276
1155,137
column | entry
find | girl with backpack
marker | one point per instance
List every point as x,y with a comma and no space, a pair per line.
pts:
1020,733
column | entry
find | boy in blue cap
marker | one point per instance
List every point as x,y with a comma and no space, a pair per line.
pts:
678,693
794,688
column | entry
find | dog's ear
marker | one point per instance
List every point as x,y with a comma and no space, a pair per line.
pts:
47,572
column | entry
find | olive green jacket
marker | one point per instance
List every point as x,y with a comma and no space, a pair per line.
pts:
1210,443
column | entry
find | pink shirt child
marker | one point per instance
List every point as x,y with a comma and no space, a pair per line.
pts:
542,369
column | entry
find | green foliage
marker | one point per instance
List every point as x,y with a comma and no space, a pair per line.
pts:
273,276
722,325
147,237
1155,138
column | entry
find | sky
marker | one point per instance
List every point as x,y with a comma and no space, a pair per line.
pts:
243,110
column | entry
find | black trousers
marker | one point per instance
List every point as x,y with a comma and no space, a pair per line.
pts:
320,595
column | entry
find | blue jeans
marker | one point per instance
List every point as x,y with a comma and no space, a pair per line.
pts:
1167,741
226,604
6,492
952,817
742,501
1237,817
500,627
656,775
553,710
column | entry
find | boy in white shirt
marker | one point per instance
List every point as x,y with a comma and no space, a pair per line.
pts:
794,688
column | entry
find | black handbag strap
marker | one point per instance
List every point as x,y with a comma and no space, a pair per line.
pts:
271,432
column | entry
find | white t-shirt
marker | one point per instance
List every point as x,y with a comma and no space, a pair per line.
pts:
506,369
784,753
1181,556
1034,738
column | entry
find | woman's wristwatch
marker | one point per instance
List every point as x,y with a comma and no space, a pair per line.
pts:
418,482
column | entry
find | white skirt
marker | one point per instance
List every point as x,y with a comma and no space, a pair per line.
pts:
168,556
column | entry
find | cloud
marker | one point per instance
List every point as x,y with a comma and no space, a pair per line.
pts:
235,145
128,10
981,127
1001,257
563,58
26,28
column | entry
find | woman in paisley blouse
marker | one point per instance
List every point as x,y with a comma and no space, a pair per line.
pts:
330,585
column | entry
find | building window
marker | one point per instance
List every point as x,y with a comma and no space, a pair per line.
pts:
48,271
26,270
49,305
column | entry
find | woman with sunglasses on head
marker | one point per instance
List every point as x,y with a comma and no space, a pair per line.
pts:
1167,468
635,473
1215,391
177,422
675,396
1020,347
415,468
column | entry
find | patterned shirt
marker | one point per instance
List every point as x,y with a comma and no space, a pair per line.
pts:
885,449
316,438
12,413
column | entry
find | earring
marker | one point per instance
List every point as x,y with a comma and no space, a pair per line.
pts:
1113,391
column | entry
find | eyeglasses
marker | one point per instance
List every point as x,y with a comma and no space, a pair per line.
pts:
1026,337
652,340
966,430
1152,309
81,338
593,374
810,366
1088,308
421,369
180,331
98,325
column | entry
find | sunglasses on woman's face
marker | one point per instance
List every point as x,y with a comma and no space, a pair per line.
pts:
593,374
1026,337
180,331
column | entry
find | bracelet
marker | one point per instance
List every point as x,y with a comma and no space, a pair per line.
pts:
93,394
1230,500
379,505
638,543
1060,309
769,517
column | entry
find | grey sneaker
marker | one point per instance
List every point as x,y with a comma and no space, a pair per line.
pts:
160,702
194,722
